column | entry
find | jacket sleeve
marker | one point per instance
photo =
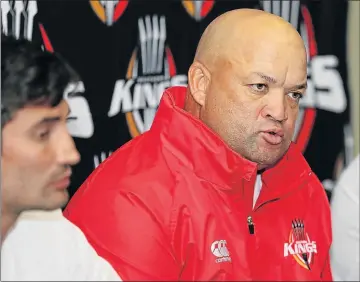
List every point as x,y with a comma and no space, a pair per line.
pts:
128,233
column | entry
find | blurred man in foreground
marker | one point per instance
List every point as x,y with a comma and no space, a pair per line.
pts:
345,222
215,190
38,243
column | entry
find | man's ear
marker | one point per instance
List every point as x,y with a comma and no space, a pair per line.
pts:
199,81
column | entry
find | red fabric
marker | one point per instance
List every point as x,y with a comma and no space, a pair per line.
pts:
158,208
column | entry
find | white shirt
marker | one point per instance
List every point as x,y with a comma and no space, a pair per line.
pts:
345,223
257,189
45,246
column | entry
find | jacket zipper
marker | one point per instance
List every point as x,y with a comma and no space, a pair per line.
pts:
251,225
250,221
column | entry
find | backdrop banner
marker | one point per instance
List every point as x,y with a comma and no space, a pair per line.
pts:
128,52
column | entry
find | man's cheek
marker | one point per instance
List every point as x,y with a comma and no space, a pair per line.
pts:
290,132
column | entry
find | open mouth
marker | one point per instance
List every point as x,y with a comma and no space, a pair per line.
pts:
272,137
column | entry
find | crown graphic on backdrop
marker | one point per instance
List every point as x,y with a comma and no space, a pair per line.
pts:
152,36
17,18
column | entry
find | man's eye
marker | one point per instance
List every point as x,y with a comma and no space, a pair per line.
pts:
259,87
296,96
44,135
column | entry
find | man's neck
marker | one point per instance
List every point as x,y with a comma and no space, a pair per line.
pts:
8,219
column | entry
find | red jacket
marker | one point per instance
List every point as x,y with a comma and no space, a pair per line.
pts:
176,204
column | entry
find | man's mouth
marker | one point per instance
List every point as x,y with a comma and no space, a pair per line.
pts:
63,182
273,136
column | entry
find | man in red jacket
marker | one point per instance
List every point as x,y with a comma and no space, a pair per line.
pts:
215,190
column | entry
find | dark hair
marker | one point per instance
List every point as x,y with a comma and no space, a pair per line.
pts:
31,76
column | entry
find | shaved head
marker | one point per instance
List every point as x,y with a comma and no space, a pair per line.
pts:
244,30
248,75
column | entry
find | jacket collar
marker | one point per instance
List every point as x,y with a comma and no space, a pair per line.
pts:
202,151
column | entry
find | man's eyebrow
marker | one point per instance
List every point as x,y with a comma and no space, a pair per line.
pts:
300,86
47,120
268,78
274,81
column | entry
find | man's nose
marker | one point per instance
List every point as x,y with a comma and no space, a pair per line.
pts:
67,152
276,107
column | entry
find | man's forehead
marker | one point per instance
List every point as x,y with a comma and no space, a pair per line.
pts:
45,109
263,56
30,115
276,70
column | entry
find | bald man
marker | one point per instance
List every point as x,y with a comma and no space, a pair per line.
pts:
215,190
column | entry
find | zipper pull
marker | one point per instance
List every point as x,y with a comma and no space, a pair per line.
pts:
251,225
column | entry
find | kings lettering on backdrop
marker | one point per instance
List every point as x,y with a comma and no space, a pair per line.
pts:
151,70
